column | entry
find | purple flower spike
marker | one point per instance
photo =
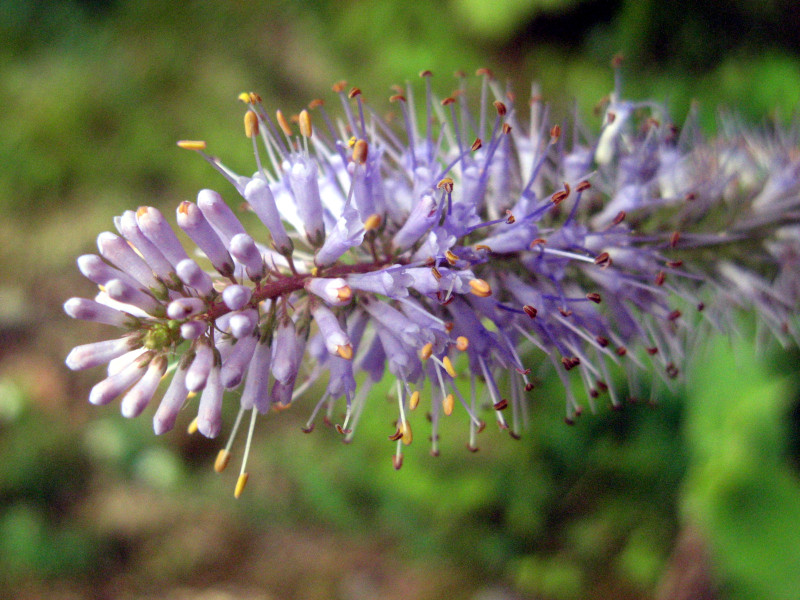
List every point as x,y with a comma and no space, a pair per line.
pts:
261,200
192,221
236,296
606,254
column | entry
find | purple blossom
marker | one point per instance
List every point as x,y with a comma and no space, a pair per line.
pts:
400,252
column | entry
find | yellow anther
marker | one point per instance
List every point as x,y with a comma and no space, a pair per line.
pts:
483,247
192,429
283,123
344,293
480,288
314,271
446,184
462,343
413,402
244,97
346,352
351,142
304,120
372,222
448,403
360,152
451,257
426,352
448,366
250,124
183,207
142,210
407,435
192,144
223,458
240,483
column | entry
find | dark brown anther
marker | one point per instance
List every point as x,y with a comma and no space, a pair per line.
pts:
621,351
342,430
430,262
446,184
397,98
437,275
594,297
593,393
501,425
484,71
529,387
569,421
601,341
506,128
308,429
476,144
652,351
565,312
559,197
674,264
672,370
353,93
459,74
457,93
583,186
397,461
339,86
674,315
396,435
555,132
500,108
472,448
690,197
603,260
617,61
510,218
602,385
481,426
570,362
425,73
434,453
315,103
537,242
611,117
448,326
660,277
701,307
514,435
673,239
501,404
619,218
567,188
327,421
530,311
447,101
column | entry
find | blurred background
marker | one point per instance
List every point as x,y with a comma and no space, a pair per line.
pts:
693,494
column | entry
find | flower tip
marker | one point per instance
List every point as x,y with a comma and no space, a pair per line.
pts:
192,144
240,485
480,288
223,458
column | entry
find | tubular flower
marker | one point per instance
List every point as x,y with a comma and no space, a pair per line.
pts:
460,251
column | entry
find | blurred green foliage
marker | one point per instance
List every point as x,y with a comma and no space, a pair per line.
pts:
94,96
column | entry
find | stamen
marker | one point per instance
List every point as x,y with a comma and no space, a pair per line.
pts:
372,222
192,429
448,404
413,401
346,352
360,152
243,476
250,124
480,288
283,123
224,455
304,121
448,366
426,351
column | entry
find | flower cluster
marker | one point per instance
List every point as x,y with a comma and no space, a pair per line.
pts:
462,247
